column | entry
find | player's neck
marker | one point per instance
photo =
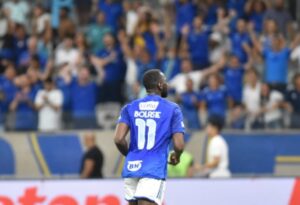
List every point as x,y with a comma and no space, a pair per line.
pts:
153,92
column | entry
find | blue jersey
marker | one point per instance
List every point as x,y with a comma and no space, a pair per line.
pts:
234,82
216,100
152,121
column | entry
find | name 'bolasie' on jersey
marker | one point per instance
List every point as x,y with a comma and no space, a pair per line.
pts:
152,121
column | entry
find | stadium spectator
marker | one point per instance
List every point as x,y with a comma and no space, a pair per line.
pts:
276,61
113,11
110,61
19,42
196,38
18,11
170,64
240,41
144,63
7,91
178,82
210,8
218,47
217,165
215,97
293,102
84,9
56,7
66,26
26,57
23,107
66,53
295,56
271,101
189,102
234,77
83,95
132,18
255,10
251,99
280,15
48,102
92,160
237,6
185,13
5,23
41,20
271,30
96,32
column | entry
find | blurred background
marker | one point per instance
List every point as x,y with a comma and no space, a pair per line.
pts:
68,66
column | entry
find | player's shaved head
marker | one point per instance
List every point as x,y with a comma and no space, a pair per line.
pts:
155,82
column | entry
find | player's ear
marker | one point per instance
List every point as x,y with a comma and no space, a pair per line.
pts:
160,86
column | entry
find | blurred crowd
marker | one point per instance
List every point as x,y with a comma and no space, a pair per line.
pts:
60,59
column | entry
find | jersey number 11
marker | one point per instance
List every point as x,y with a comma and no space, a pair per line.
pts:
142,124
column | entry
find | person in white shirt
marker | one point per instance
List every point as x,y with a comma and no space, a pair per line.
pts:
251,98
271,107
179,81
217,152
17,10
49,102
41,20
67,54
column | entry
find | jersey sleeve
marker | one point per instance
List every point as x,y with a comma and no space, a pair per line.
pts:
124,116
177,121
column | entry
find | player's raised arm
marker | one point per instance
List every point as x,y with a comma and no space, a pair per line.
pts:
120,138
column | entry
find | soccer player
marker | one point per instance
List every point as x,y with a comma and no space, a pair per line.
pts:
153,122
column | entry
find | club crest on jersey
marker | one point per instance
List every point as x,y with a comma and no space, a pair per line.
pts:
150,105
134,166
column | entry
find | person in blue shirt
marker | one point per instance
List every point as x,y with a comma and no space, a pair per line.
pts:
197,40
113,11
20,42
30,53
189,102
23,106
214,97
83,95
211,12
7,91
255,11
237,6
144,63
185,13
152,122
276,60
170,64
241,41
234,76
110,61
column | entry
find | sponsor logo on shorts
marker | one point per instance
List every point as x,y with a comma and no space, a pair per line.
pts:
134,166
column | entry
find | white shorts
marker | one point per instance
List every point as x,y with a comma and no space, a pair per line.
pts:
144,188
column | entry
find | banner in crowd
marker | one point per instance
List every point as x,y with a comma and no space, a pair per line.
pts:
179,192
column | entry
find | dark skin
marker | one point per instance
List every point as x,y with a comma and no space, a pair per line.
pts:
122,130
